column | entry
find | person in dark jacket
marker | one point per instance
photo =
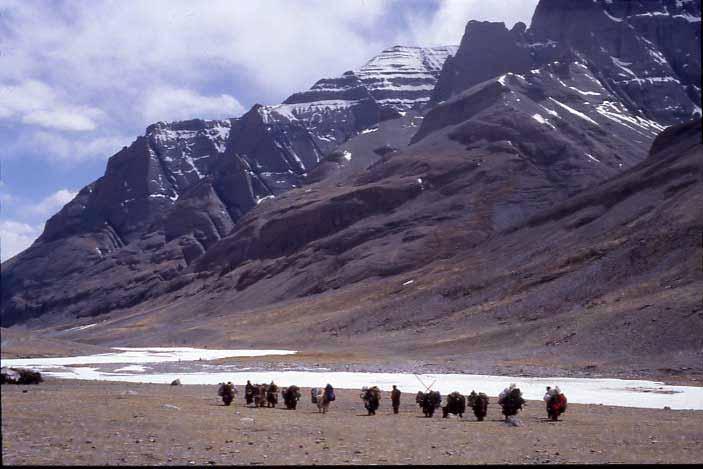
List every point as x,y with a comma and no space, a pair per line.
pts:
395,399
249,392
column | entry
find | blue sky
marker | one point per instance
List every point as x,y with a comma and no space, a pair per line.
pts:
80,79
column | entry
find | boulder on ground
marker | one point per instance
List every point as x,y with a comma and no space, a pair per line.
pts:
20,376
176,382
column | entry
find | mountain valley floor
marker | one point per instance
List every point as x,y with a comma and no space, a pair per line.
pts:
109,423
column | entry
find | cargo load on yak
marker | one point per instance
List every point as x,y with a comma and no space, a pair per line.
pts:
290,395
428,401
479,404
226,392
329,393
260,391
456,404
511,400
372,398
556,403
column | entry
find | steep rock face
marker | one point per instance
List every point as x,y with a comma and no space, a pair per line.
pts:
335,109
162,202
404,77
487,50
646,53
580,121
141,181
277,152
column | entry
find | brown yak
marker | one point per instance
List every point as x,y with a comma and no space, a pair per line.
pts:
290,395
456,404
479,404
260,395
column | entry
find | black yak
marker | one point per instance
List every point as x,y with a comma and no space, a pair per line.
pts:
290,395
456,404
429,401
511,401
372,398
226,392
479,404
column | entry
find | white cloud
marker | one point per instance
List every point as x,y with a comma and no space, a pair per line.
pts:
447,24
72,149
282,45
35,103
27,224
168,104
59,119
51,204
15,237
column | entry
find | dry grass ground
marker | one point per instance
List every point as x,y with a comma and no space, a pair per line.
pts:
73,422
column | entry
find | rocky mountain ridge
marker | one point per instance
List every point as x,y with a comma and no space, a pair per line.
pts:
647,53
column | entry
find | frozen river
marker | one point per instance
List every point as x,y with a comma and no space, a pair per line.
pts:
163,365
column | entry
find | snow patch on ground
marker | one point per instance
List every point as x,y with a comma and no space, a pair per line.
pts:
542,120
87,326
136,368
593,157
615,392
132,355
575,112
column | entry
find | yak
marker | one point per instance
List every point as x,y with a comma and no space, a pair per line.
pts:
372,398
556,406
260,395
323,397
226,392
429,401
511,401
456,404
479,404
290,395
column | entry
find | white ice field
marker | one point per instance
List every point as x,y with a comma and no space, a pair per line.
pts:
615,392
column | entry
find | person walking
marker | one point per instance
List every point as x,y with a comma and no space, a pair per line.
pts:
395,399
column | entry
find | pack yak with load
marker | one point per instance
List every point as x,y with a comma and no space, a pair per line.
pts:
428,401
511,401
456,404
227,392
556,403
290,396
479,404
372,399
322,397
260,391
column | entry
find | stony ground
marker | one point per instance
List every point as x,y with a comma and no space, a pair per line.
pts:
74,422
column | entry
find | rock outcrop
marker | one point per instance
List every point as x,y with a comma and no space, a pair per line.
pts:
646,53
